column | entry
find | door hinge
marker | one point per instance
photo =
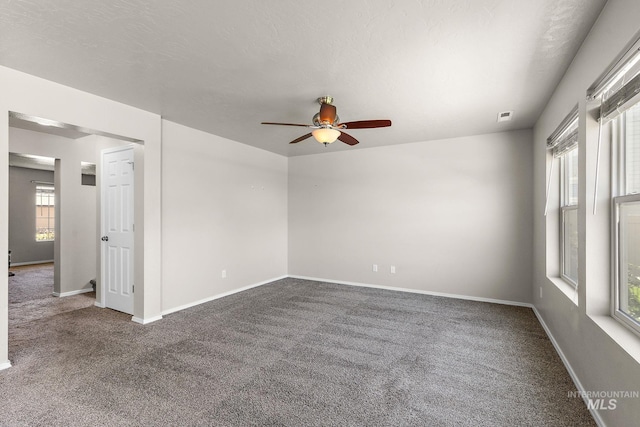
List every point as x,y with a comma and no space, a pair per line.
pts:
133,165
133,288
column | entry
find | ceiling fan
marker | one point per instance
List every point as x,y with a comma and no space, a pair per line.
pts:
327,127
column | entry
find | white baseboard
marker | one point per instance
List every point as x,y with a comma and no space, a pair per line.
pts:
18,264
145,321
134,318
572,374
417,291
70,293
5,365
222,295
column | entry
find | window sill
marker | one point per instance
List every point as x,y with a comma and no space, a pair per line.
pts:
568,290
620,334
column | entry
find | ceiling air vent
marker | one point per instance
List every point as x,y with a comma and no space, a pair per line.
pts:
505,116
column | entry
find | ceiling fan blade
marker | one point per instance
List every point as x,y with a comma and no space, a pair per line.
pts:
348,139
327,113
302,138
284,124
367,124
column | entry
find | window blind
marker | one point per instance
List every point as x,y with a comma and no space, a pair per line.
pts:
621,100
619,87
616,71
565,137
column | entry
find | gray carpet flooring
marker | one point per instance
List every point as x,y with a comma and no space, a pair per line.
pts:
291,353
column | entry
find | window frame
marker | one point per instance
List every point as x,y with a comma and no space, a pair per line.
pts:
620,198
565,206
51,225
563,213
617,313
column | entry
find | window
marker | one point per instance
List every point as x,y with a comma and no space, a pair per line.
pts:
626,295
618,93
569,216
45,213
564,145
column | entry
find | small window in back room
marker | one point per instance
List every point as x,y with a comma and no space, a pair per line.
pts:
45,213
88,173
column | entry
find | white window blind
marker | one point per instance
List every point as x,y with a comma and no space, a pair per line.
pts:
619,87
561,141
565,137
621,100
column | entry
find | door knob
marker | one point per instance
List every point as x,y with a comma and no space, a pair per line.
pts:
105,238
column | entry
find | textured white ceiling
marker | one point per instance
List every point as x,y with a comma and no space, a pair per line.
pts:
436,68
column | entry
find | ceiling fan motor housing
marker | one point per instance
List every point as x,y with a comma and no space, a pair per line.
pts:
317,122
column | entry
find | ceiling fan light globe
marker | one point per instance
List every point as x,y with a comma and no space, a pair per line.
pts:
325,135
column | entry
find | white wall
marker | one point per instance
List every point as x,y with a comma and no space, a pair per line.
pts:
453,216
224,207
75,222
22,217
603,355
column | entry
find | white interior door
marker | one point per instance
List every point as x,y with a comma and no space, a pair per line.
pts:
117,228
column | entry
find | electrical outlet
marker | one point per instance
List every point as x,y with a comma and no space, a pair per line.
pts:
224,274
375,268
392,270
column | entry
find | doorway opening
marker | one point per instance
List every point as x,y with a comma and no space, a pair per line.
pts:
70,220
